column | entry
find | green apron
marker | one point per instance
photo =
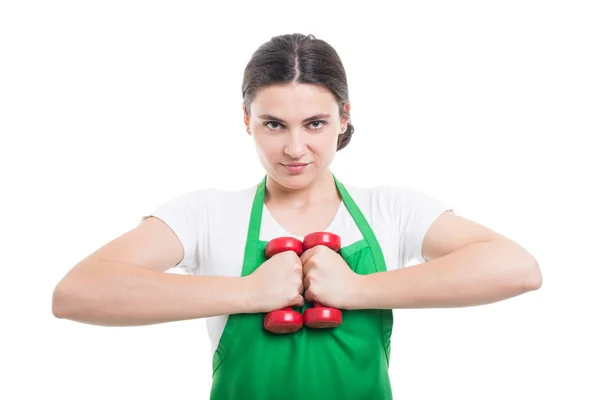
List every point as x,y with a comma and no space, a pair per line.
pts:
347,362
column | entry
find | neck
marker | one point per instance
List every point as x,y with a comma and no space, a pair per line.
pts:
321,189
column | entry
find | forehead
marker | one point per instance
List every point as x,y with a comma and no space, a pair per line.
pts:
293,100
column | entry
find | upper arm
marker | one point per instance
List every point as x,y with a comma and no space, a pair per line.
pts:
152,244
449,232
167,237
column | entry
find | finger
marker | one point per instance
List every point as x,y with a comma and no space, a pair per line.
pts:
309,265
308,296
299,274
307,255
301,287
306,283
298,268
299,301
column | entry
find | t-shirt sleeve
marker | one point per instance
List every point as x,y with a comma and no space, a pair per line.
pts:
183,214
415,212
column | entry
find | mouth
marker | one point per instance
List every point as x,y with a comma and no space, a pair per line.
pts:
295,168
295,165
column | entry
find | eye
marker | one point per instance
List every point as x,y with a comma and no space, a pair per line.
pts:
271,122
318,122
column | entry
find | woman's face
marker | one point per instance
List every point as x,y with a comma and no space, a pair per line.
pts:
295,129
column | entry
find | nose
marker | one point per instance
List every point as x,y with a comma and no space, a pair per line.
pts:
295,145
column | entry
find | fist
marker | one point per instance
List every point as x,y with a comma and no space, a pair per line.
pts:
327,278
277,283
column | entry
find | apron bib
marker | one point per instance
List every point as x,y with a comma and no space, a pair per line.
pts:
348,362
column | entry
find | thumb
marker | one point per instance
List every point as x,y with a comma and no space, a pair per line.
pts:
299,301
308,296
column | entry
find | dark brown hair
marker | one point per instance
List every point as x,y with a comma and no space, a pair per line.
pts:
298,58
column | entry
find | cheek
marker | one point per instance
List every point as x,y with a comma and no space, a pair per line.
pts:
327,143
267,146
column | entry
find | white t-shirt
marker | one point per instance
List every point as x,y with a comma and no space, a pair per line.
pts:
212,225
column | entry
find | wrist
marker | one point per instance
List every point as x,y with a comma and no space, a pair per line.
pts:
249,295
358,293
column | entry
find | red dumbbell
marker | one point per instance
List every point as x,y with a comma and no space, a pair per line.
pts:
285,320
320,316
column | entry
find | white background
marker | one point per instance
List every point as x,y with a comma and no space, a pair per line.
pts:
108,109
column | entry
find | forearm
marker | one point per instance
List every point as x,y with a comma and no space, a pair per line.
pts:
477,274
117,294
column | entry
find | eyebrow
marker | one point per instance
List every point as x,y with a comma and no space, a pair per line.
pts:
318,116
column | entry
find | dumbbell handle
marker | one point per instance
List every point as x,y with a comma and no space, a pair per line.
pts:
320,316
285,320
325,239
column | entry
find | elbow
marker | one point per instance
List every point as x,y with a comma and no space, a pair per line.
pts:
534,279
529,276
72,295
65,300
524,273
60,301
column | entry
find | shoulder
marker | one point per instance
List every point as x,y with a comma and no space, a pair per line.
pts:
391,197
227,199
409,210
216,196
204,202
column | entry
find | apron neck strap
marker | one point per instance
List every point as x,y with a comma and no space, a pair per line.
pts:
361,223
256,216
353,209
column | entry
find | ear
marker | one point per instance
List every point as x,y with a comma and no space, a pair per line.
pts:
246,119
343,121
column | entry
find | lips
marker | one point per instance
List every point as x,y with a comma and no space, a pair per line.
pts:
295,168
296,164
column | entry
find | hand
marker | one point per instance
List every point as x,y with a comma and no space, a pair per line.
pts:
277,283
328,280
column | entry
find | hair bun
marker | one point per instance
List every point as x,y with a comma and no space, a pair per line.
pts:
344,139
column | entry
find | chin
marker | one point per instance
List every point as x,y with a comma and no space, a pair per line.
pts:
293,181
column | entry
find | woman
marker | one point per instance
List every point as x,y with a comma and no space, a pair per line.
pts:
296,108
